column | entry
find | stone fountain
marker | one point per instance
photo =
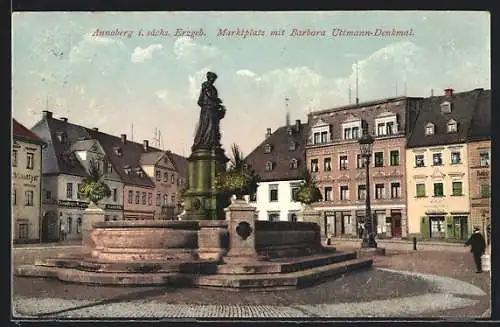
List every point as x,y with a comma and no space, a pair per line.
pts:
213,246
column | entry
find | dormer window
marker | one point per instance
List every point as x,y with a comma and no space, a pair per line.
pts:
429,129
267,148
289,130
118,151
269,166
445,107
293,163
63,138
452,126
386,124
320,133
292,146
127,169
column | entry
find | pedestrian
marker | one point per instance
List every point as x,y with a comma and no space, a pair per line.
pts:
477,247
361,230
63,234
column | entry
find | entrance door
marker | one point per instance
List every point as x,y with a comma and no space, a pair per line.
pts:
50,227
396,224
437,226
464,228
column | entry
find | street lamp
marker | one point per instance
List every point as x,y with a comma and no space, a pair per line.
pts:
365,144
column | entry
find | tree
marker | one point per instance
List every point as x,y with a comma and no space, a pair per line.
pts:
239,178
308,192
94,188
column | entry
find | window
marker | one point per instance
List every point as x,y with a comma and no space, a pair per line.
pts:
172,198
437,159
455,158
158,174
438,189
115,195
130,196
361,192
343,162
456,188
419,160
79,188
355,132
158,199
289,130
328,164
172,179
150,198
360,161
379,191
429,129
389,127
143,198
452,126
420,190
165,176
344,192
292,146
484,190
324,137
269,166
314,165
110,167
23,231
69,190
379,159
293,217
293,163
328,193
14,158
29,160
446,107
70,225
317,138
253,197
79,225
395,190
295,193
14,196
273,193
267,148
48,195
137,197
380,129
274,216
484,159
347,134
395,158
165,199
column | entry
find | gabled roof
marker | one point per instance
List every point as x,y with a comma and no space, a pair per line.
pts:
480,128
181,164
20,132
463,107
280,154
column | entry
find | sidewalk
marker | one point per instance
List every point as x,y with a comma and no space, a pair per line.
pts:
402,245
28,246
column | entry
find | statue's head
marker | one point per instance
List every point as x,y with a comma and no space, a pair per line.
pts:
211,76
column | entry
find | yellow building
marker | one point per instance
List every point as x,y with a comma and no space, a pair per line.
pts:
26,184
437,169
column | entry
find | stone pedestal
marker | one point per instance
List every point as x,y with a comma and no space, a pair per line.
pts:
91,215
315,216
202,200
241,226
212,240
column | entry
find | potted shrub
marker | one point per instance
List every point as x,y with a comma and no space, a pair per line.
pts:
239,179
93,188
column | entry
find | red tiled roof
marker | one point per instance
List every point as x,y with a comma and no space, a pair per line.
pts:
19,131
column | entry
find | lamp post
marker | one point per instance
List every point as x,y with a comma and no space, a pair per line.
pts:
365,144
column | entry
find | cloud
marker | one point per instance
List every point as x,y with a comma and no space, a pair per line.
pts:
162,95
195,81
85,49
140,54
186,49
246,73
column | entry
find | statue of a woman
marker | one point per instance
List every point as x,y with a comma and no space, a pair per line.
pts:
212,111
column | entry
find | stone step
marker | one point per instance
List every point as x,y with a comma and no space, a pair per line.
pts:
284,266
295,279
261,282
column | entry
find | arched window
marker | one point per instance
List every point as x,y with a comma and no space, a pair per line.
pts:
79,225
429,129
165,199
293,163
269,166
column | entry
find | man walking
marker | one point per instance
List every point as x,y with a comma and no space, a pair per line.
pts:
477,247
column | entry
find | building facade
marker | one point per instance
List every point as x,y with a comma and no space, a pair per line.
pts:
280,162
26,165
334,158
438,175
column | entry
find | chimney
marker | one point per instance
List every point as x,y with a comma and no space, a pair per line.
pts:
268,133
64,119
95,129
146,145
47,114
297,125
124,138
448,92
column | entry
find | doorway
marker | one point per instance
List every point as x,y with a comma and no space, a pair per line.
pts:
396,224
50,227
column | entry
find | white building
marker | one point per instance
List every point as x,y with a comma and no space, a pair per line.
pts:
280,162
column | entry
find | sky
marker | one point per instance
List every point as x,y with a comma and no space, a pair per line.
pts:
142,83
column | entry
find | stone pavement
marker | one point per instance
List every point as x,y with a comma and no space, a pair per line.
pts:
374,293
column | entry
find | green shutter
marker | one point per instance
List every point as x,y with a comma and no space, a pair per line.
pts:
450,232
424,227
420,190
